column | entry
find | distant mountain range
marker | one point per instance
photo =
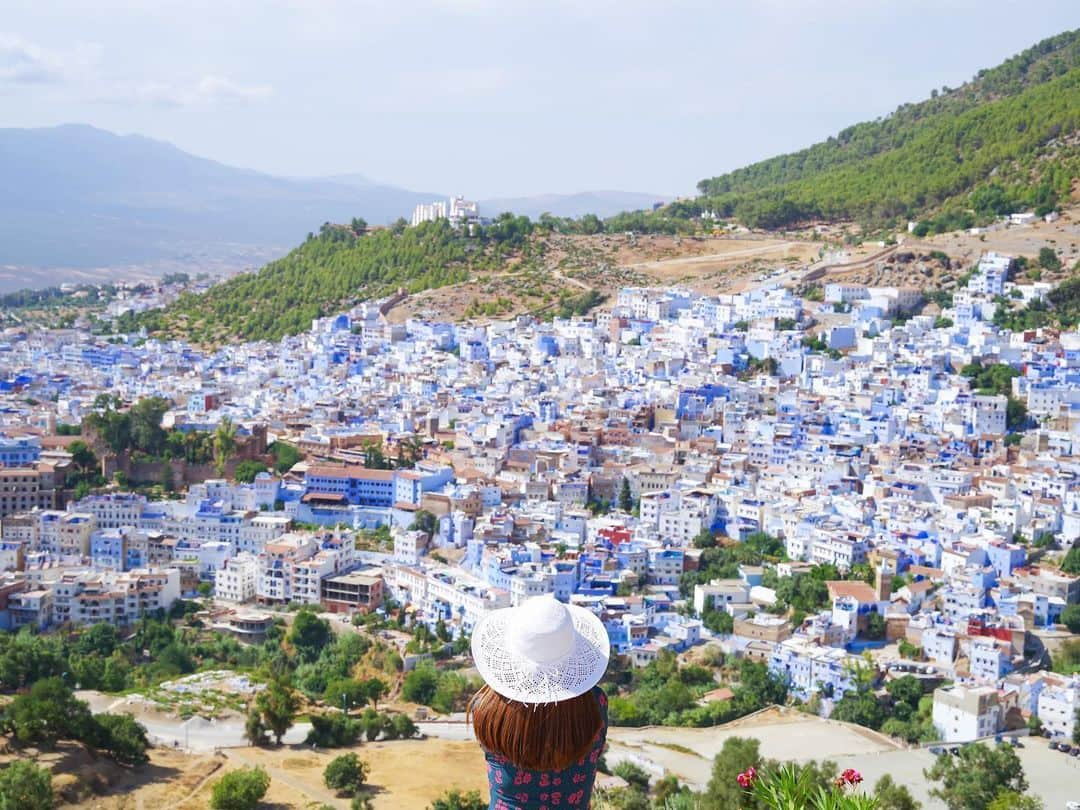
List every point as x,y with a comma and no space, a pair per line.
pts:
79,197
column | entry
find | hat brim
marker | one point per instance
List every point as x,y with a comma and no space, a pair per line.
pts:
516,677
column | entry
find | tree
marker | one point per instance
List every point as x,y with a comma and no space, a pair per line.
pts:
47,713
1048,259
891,796
240,790
254,728
100,639
875,626
424,521
419,685
309,635
972,779
333,730
1076,726
454,799
82,456
277,704
861,707
285,456
344,693
737,754
1070,617
626,497
718,621
405,728
346,774
1015,414
1010,800
247,470
145,417
124,738
25,786
1071,563
224,444
373,689
906,688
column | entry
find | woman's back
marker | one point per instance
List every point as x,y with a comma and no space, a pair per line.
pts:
520,788
541,719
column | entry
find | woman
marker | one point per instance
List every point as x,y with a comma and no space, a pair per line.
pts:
540,718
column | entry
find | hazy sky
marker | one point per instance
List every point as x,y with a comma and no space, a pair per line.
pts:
496,97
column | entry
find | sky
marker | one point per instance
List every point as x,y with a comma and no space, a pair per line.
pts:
496,97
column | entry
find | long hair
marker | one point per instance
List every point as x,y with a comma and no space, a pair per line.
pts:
535,736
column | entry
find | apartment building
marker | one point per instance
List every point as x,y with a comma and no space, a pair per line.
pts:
23,489
356,591
237,580
963,712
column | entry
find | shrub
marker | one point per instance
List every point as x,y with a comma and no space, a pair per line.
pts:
240,790
346,774
333,730
25,786
456,800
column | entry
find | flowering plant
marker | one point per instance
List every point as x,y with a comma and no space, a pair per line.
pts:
791,788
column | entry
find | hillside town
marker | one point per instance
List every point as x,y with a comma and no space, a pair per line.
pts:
918,469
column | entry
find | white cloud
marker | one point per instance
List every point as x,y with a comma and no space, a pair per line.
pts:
217,88
26,63
208,91
23,62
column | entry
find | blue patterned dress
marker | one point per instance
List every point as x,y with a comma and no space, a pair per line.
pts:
515,788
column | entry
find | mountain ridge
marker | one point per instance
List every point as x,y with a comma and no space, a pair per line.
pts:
927,157
84,197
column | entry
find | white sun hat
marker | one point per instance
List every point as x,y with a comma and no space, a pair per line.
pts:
541,651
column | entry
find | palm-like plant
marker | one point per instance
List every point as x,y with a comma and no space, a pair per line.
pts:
793,788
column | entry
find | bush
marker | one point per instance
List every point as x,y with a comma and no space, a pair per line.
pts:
123,737
240,790
456,800
634,775
332,731
346,774
25,786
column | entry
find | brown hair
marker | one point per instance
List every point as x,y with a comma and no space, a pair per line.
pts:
535,736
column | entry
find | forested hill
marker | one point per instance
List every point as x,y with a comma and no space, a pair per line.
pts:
329,272
1007,139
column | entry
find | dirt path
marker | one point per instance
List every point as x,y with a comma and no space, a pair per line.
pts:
711,258
194,791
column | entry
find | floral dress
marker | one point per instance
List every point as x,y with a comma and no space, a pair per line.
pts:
515,788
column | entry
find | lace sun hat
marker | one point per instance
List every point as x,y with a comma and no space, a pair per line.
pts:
541,651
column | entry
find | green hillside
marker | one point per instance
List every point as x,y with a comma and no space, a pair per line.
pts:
331,271
1006,140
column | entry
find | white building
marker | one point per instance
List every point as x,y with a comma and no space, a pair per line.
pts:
237,580
964,713
1058,702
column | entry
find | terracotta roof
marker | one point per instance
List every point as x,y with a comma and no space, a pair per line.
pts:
350,471
859,591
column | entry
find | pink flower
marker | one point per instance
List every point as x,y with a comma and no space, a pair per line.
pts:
747,777
849,777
